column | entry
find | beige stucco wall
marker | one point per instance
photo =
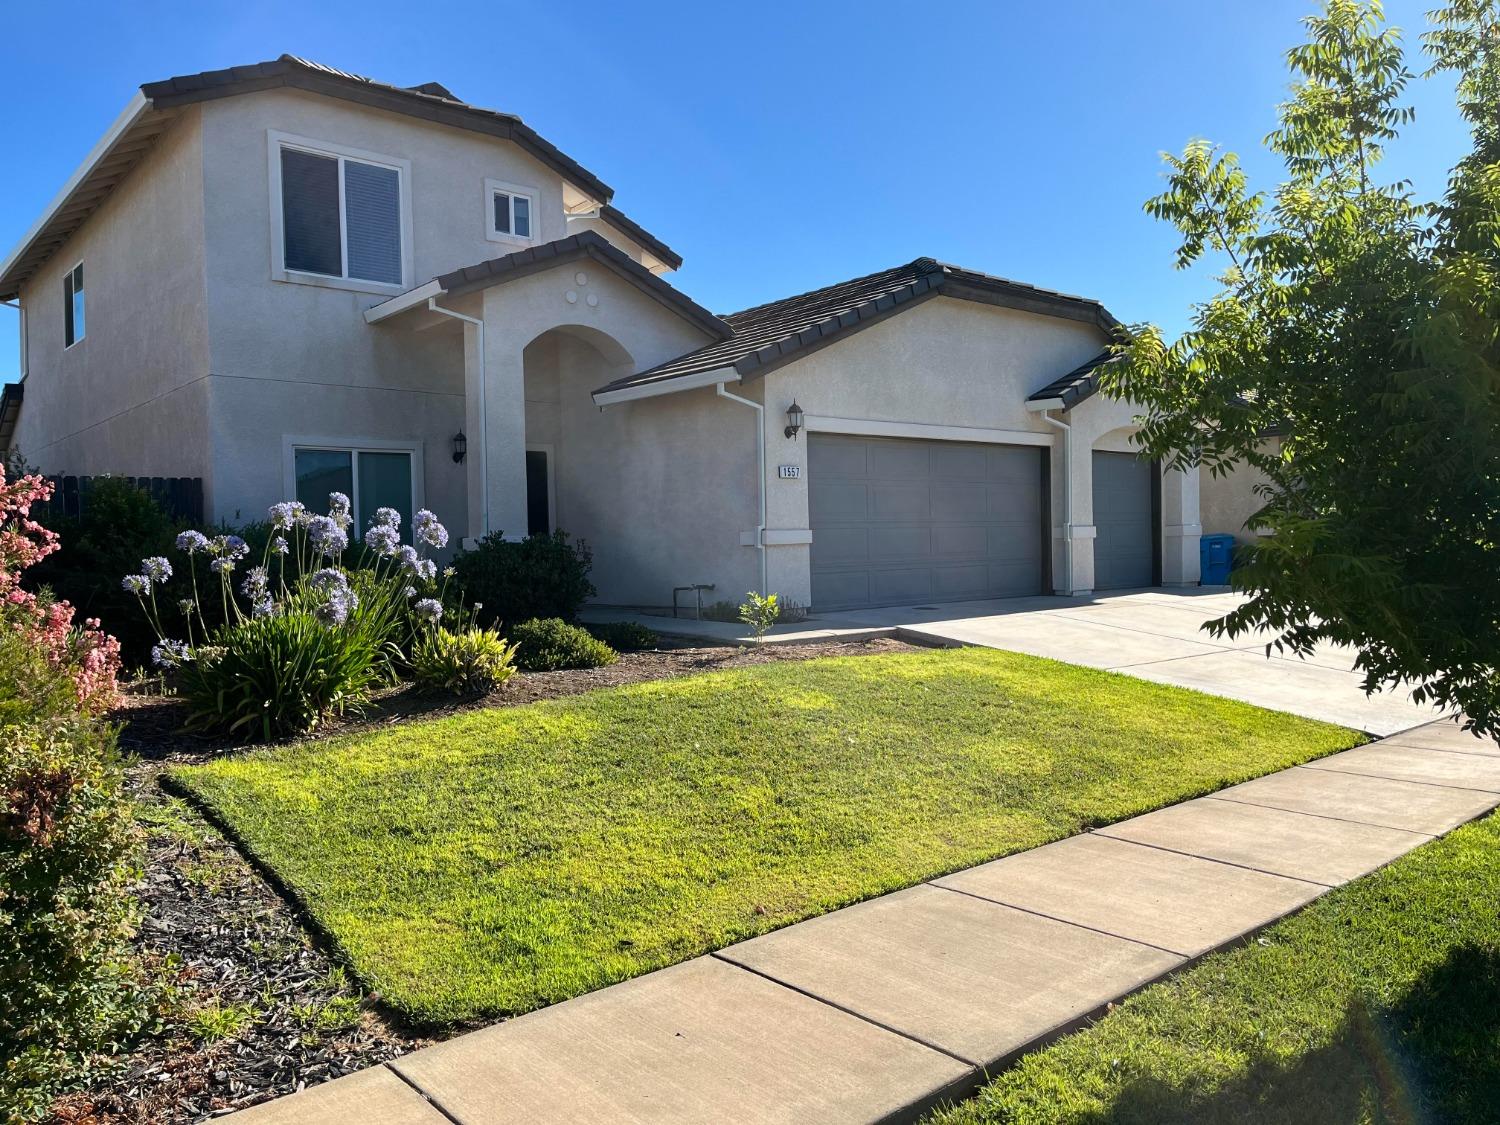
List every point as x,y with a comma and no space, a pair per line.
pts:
1228,500
129,398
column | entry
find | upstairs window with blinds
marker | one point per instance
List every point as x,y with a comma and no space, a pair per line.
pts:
341,217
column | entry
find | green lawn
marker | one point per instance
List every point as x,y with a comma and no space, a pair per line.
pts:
499,860
1379,1003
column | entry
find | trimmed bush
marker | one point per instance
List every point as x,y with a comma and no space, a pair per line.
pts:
550,644
624,636
467,662
540,576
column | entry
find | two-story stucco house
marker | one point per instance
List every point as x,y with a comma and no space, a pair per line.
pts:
285,279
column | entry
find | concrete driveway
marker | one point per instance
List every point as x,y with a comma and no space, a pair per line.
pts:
1157,635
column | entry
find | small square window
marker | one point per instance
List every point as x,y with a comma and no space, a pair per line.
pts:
510,212
73,324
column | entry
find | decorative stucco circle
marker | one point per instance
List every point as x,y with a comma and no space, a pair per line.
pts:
593,300
572,297
581,277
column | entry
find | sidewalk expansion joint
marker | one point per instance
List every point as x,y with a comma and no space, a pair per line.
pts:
719,956
1212,859
423,1094
1320,816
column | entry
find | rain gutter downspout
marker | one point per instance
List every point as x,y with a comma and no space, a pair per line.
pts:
484,415
1067,487
760,449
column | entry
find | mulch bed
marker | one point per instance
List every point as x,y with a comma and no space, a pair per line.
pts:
256,1008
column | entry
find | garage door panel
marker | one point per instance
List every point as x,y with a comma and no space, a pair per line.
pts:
901,460
843,587
960,500
958,462
1014,542
839,546
891,501
1124,521
899,543
891,587
958,540
828,459
838,501
899,520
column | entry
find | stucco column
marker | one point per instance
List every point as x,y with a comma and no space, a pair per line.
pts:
505,418
1180,527
1078,532
473,431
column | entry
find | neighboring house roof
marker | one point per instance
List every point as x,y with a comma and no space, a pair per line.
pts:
512,267
633,230
152,110
768,336
10,411
1077,384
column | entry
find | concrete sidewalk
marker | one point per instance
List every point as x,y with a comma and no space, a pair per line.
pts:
880,1010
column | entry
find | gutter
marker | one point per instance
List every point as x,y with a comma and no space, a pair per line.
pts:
760,449
1042,408
484,414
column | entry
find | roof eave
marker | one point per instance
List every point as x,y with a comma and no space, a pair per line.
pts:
606,397
137,107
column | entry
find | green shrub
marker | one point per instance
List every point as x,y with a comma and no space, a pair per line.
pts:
120,525
760,612
281,674
471,661
538,577
67,988
723,610
549,644
624,636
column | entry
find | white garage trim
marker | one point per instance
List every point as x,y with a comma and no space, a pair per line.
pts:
874,427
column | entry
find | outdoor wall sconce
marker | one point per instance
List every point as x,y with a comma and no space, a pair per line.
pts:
793,420
460,447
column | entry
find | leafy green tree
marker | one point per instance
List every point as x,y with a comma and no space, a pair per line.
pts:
1363,326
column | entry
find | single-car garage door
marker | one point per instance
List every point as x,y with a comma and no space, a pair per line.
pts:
896,520
1125,519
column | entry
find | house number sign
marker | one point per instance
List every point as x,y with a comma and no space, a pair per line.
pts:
789,472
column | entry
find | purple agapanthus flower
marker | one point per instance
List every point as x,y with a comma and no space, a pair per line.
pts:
329,578
256,583
429,610
338,509
327,536
425,569
388,516
287,514
192,542
156,568
224,564
426,527
341,602
169,654
382,538
407,556
278,545
138,584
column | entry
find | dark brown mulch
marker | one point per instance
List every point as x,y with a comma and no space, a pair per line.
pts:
255,1009
152,722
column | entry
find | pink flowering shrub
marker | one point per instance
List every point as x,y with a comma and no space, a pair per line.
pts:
88,656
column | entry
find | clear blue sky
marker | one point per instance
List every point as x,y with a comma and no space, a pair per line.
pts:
776,146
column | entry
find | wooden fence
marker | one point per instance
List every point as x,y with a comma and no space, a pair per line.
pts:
181,497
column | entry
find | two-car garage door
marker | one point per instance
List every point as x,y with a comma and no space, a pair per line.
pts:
897,520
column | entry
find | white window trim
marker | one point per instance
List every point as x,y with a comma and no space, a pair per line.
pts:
290,443
551,482
275,142
490,188
67,347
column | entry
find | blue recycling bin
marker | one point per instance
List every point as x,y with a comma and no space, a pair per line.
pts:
1215,558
